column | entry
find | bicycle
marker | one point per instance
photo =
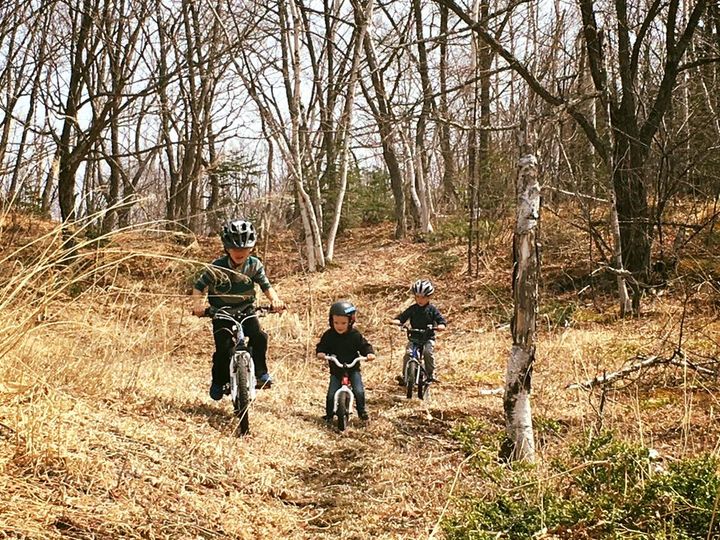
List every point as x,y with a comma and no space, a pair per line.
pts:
415,374
243,384
344,399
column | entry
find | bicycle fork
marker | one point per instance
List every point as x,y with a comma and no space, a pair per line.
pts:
242,360
416,357
344,390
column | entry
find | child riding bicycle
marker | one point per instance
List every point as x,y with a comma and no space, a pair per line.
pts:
230,283
346,343
422,315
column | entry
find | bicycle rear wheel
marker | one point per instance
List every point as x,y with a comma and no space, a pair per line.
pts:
343,411
239,392
410,376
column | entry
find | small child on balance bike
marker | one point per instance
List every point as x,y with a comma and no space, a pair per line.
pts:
346,343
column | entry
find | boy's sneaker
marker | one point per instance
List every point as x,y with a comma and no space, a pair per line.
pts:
264,381
363,415
327,419
217,391
401,380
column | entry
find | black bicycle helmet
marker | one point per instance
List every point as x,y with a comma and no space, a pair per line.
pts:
238,234
422,287
342,307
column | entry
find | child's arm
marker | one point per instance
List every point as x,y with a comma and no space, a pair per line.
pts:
198,300
440,322
275,301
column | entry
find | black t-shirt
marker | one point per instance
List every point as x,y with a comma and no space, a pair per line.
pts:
346,347
422,316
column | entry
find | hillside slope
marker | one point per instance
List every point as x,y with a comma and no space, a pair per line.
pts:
106,429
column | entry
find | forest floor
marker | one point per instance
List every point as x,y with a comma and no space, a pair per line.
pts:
107,431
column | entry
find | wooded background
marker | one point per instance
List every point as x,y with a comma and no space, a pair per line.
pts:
194,111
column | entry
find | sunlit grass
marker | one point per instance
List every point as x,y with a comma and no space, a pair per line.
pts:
106,428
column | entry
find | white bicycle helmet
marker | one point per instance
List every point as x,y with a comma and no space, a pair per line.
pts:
238,234
422,287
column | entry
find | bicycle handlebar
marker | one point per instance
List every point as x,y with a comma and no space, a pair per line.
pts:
422,334
332,358
236,315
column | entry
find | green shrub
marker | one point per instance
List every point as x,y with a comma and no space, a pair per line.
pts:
605,488
368,200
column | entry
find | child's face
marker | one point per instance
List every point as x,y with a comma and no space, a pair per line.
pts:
341,323
239,255
421,300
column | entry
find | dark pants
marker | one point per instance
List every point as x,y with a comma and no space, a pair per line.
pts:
357,388
224,339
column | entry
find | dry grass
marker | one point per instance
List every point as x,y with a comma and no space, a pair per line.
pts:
106,430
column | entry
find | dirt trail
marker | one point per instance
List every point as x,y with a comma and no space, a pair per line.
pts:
390,478
138,450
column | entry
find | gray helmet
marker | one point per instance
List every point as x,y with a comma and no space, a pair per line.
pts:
238,234
422,287
342,307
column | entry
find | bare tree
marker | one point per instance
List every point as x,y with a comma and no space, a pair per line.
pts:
632,118
520,443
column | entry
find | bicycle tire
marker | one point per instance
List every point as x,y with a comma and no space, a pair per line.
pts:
343,411
241,399
423,386
410,376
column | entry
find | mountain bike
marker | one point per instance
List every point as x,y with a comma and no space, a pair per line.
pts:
415,375
242,385
344,399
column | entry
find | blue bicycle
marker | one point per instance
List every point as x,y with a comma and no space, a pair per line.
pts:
415,375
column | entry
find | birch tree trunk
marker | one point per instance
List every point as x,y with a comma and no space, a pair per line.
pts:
346,124
520,444
623,296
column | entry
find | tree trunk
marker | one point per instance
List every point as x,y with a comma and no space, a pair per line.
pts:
345,124
386,121
450,172
625,303
520,443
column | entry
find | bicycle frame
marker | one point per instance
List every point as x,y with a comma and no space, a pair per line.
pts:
415,374
242,367
247,363
416,358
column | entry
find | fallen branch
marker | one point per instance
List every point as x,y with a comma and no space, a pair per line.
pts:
699,369
608,378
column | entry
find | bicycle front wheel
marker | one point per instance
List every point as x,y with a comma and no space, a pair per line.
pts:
423,388
241,394
410,376
343,411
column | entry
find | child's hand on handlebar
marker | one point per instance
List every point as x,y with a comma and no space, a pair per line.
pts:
198,311
278,307
370,357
